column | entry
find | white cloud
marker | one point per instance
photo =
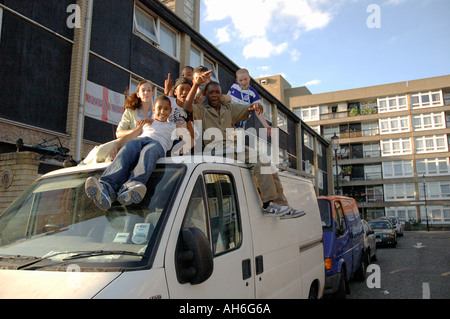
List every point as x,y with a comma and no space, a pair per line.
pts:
295,55
253,20
394,2
262,48
223,35
313,82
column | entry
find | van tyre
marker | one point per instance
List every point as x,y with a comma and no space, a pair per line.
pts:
360,274
343,287
313,291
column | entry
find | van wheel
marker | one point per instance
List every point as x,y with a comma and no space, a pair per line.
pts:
313,291
360,274
342,290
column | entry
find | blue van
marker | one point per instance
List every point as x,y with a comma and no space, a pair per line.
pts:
343,241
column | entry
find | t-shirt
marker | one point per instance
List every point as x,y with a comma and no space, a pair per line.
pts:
241,96
131,117
229,114
163,132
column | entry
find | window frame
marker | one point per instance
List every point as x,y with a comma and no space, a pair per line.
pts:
236,205
388,107
157,22
426,162
434,139
204,58
391,122
430,103
399,192
402,150
421,126
282,121
391,166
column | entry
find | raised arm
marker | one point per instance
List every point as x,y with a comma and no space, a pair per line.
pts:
187,106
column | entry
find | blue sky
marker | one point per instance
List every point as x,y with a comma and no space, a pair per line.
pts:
331,45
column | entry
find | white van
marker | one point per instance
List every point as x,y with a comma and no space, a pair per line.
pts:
199,233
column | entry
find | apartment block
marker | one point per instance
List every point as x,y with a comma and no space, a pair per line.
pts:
393,155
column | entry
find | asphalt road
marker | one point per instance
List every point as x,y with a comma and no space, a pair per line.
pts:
418,268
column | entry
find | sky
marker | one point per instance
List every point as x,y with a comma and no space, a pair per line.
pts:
332,45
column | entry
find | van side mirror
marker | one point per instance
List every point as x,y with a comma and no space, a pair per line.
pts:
194,259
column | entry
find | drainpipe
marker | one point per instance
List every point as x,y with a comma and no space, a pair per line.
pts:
86,46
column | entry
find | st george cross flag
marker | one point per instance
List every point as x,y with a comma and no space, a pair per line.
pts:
103,104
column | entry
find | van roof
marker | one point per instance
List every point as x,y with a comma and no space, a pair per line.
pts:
333,197
190,161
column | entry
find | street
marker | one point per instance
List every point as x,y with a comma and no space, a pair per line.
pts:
418,268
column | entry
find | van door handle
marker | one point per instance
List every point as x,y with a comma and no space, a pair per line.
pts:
259,265
246,269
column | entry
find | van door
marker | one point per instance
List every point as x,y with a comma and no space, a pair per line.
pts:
343,241
214,202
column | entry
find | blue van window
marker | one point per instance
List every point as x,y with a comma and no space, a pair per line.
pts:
341,226
326,214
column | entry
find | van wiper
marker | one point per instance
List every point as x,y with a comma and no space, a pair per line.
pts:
80,254
87,254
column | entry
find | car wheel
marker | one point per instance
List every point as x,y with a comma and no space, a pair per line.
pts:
342,290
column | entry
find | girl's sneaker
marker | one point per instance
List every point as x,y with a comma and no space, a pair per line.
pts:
132,195
98,193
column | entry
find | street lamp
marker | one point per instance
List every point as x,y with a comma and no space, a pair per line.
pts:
425,195
335,145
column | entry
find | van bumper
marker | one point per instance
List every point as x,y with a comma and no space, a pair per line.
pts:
332,283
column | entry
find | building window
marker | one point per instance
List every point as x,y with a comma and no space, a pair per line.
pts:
267,110
428,121
168,40
426,99
397,169
320,179
435,190
432,143
282,121
403,213
396,147
393,103
310,113
394,192
371,150
328,132
433,166
197,58
394,125
374,193
308,140
436,214
151,29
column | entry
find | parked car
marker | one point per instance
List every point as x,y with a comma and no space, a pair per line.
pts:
384,232
343,240
370,244
396,224
198,233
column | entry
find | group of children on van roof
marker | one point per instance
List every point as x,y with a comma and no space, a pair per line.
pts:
146,133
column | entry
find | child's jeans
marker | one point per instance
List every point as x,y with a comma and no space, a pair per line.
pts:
137,156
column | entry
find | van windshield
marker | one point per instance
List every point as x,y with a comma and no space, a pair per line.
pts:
53,222
326,214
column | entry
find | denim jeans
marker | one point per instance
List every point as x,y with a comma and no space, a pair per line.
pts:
137,156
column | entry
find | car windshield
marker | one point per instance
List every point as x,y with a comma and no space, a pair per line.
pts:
380,225
53,220
326,214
